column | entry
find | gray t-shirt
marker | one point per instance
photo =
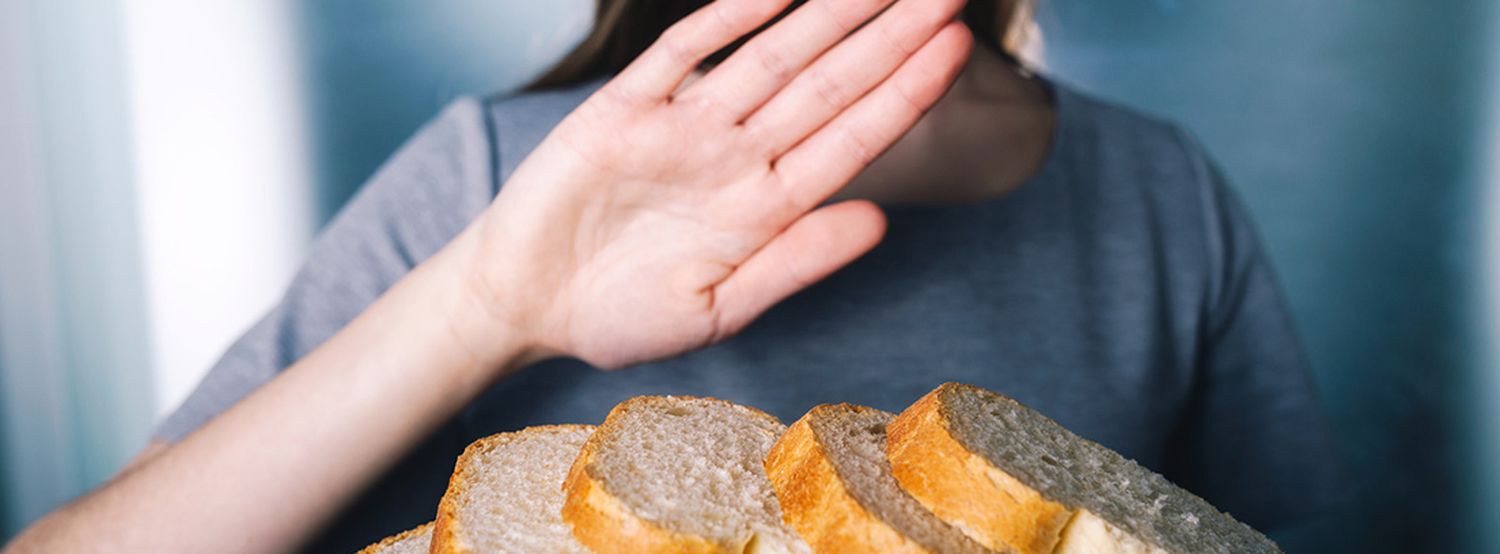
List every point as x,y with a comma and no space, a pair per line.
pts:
1121,291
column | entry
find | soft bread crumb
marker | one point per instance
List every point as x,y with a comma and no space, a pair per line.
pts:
506,494
1090,534
680,470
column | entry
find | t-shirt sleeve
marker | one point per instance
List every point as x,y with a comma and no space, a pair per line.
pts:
413,205
1254,439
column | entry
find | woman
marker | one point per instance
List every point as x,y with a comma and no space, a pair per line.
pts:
1020,236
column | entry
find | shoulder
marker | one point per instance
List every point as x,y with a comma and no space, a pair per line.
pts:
1109,140
446,166
464,152
518,122
1118,137
1134,165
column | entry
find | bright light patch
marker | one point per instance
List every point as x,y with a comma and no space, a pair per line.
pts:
1488,426
221,169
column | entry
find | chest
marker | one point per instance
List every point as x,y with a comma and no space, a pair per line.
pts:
1093,340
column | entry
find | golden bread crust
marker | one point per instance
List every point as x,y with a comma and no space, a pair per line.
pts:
604,523
445,528
448,528
963,488
816,503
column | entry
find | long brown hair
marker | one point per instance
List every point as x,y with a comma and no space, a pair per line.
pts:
624,28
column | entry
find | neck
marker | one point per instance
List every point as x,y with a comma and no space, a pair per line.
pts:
983,140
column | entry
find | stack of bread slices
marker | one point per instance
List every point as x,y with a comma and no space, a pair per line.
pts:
961,470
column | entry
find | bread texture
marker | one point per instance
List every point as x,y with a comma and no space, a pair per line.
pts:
1009,476
830,473
506,495
414,541
678,474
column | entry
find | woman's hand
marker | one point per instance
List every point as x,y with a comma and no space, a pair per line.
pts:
660,217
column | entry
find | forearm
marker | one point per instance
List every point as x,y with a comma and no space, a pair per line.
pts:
271,470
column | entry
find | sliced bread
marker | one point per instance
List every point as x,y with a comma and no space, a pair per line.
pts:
415,541
1009,476
836,490
506,495
678,474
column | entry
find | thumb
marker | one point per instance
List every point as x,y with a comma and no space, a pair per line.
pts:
814,246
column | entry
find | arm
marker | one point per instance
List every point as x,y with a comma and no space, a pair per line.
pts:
268,471
1254,439
655,219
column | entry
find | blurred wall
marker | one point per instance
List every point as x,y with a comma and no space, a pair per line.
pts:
75,387
375,70
222,182
1356,132
1487,325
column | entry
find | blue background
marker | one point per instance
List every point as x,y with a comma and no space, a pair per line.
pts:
1356,132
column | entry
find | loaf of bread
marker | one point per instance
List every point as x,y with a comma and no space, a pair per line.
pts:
678,474
1012,478
962,470
506,495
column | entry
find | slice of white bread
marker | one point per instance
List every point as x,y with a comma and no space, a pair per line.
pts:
506,495
831,476
678,474
415,541
1008,475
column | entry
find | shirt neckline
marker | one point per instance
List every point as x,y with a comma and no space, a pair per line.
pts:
1062,107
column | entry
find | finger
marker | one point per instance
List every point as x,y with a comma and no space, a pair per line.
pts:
849,71
658,71
835,154
769,61
814,246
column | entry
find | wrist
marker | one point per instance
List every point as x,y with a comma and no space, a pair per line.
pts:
486,324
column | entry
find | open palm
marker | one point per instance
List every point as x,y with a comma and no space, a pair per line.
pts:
660,217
